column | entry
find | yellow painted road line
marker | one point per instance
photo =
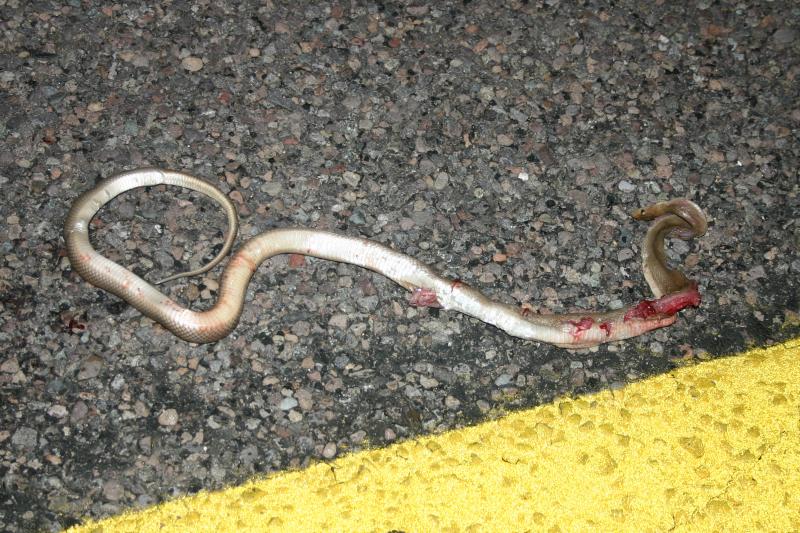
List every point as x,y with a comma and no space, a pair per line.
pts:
713,447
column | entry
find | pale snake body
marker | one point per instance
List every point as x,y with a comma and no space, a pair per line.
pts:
672,289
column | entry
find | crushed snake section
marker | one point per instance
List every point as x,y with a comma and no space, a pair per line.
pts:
675,218
666,305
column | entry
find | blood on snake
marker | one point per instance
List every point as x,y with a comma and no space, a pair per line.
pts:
672,290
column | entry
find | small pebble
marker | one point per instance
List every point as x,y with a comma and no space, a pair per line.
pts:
502,380
428,383
304,399
57,411
451,402
192,64
113,490
441,181
358,437
624,255
25,438
90,367
168,418
288,403
351,178
79,411
9,366
338,320
626,186
329,451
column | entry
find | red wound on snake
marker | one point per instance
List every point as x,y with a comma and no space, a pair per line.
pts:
606,326
583,324
424,298
644,310
579,326
666,305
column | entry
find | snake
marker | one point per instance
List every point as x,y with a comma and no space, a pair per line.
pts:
672,290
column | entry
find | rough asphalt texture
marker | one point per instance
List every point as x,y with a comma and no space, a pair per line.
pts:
502,142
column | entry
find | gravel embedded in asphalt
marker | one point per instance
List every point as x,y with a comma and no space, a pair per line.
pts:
503,143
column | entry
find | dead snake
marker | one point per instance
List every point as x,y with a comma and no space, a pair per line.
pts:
673,291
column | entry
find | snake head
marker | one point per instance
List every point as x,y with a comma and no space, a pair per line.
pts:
679,218
694,222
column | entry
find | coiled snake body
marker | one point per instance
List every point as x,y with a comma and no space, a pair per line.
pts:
672,289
